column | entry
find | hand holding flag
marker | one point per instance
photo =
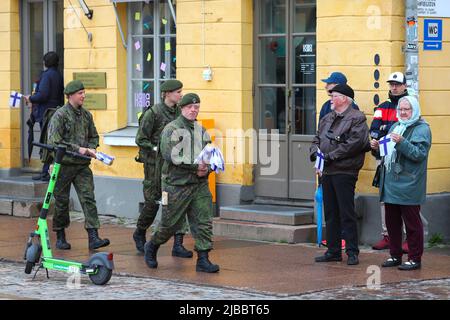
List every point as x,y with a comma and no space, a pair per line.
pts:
211,155
320,161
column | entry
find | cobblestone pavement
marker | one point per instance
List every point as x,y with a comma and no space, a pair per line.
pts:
15,284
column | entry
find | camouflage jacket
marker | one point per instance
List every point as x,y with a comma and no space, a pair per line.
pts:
151,124
74,128
181,142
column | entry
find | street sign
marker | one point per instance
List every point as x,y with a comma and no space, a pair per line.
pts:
432,46
432,34
433,8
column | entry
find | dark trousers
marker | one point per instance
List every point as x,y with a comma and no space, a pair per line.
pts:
340,215
395,216
46,166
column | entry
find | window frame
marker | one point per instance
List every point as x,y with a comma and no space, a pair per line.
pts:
156,58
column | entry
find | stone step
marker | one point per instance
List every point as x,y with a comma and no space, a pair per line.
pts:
284,215
23,207
284,202
264,231
22,186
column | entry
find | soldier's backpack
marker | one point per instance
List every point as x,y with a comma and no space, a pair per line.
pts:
141,156
46,155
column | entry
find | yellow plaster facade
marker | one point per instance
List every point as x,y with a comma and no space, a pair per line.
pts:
209,33
9,81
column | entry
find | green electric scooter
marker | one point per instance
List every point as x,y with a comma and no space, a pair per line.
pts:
38,251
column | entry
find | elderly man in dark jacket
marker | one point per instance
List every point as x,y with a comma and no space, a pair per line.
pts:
343,139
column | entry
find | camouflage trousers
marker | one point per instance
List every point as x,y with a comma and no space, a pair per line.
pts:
82,179
152,194
195,201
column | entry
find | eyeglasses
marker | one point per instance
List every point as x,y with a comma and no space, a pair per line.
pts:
395,84
334,96
404,109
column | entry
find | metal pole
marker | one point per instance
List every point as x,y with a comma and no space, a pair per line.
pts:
172,11
412,46
119,26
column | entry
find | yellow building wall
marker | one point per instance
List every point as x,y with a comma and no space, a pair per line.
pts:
349,34
209,33
104,54
9,81
434,87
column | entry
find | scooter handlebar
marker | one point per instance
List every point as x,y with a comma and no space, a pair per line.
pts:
68,153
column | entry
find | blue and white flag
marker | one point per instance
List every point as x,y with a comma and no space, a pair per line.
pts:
386,145
106,159
211,155
320,161
14,99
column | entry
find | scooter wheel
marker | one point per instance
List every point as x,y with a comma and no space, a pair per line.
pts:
102,276
28,267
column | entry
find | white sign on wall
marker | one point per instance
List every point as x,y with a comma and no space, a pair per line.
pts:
433,8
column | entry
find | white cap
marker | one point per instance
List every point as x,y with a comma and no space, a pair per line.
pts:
397,77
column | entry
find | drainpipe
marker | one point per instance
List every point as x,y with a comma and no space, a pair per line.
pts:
412,47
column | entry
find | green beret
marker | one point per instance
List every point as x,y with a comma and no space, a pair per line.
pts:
189,98
73,86
171,85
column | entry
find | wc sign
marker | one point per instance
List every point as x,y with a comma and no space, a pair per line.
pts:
432,34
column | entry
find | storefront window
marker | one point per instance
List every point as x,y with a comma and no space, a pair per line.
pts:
151,53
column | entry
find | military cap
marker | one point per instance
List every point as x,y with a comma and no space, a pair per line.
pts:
171,85
73,86
189,98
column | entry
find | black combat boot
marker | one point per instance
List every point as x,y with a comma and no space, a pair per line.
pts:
178,249
139,239
94,241
203,263
61,242
150,253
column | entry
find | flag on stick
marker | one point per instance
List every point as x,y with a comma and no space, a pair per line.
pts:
319,160
386,145
14,99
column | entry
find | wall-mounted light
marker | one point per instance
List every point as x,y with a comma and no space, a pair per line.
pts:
207,74
87,12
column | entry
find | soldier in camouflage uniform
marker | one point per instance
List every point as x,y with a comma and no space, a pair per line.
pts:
185,185
73,126
151,124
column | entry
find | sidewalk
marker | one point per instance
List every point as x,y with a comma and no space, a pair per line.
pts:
249,265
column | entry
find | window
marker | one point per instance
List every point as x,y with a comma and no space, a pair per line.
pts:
151,53
286,65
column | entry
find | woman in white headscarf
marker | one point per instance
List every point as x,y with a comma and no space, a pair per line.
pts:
403,183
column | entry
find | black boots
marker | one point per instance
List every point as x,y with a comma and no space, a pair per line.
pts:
94,241
61,242
178,249
151,250
203,263
139,239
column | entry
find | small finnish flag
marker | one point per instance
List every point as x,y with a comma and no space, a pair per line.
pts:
386,145
14,99
320,161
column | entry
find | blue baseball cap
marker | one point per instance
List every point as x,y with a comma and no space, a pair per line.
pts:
336,77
